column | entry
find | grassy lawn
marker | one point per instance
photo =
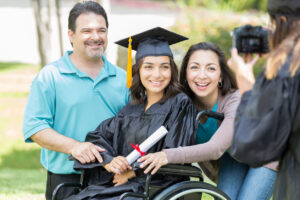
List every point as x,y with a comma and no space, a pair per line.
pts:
14,66
21,174
22,183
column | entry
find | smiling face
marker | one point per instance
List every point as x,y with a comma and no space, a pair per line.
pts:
203,74
90,37
155,74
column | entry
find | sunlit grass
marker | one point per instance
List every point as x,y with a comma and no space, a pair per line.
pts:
13,94
21,174
10,66
22,182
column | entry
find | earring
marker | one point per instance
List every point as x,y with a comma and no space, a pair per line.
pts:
220,84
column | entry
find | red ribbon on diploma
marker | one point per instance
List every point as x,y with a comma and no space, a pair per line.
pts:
137,147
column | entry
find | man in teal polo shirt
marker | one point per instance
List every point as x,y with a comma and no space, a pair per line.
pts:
72,95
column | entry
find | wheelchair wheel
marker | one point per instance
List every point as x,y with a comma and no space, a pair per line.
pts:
191,190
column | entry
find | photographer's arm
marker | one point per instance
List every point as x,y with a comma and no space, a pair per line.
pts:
244,70
85,152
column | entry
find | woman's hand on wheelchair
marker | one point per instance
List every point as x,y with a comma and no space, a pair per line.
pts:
154,161
118,165
120,179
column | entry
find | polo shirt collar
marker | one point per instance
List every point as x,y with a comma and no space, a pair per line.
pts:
108,67
67,67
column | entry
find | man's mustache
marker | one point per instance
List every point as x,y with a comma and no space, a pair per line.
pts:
98,42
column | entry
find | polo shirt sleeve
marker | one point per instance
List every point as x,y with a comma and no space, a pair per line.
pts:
40,108
127,95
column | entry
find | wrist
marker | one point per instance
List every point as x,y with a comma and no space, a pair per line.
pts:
131,174
106,167
73,146
165,156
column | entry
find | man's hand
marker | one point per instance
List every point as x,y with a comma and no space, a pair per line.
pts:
87,152
120,179
118,165
154,161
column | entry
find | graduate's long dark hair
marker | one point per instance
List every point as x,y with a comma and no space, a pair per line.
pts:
228,79
138,91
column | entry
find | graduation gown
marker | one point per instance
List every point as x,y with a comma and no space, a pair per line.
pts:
267,128
133,125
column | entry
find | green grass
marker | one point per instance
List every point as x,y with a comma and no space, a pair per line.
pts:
22,181
20,156
13,94
10,66
21,174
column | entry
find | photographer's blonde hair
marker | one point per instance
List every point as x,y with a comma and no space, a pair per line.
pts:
284,40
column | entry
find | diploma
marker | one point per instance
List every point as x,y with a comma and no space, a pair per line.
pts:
147,144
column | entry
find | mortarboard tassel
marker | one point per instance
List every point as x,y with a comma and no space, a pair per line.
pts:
129,64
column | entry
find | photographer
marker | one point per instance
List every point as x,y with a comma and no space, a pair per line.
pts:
267,121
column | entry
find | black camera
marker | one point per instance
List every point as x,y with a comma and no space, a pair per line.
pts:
250,39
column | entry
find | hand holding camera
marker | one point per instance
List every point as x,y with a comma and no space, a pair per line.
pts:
247,40
250,39
243,67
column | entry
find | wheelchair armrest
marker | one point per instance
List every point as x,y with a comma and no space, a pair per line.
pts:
132,194
62,185
210,113
181,170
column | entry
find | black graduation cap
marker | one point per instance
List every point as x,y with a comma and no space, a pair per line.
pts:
284,7
153,42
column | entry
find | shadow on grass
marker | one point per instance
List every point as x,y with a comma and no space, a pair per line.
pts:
21,159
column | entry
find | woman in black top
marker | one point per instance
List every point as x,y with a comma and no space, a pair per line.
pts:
267,126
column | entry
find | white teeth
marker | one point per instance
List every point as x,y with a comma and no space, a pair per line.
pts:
155,82
202,84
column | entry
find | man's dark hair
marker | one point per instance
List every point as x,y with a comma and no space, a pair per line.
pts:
138,91
85,7
228,79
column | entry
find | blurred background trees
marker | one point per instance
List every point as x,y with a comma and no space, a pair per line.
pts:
213,21
234,5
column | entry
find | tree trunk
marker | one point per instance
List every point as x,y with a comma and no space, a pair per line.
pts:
60,36
43,27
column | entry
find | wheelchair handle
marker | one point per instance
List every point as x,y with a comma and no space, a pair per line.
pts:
210,113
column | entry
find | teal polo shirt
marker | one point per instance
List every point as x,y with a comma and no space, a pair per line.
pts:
72,103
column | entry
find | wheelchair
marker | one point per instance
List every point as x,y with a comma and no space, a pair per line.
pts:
191,189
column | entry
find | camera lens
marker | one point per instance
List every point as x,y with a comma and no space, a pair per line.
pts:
250,44
255,42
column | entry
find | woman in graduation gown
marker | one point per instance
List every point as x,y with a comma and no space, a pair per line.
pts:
267,125
156,101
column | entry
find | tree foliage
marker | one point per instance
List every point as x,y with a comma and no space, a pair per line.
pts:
234,5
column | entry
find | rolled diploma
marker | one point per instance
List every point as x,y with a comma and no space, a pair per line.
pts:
147,144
